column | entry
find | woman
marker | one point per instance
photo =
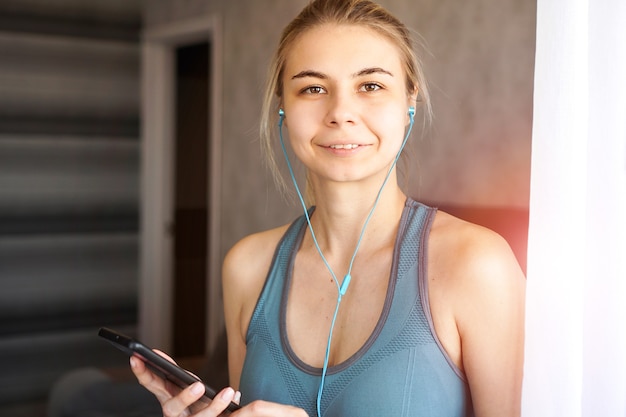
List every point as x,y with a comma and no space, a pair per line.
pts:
374,304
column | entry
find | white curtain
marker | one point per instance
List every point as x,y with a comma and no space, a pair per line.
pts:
576,295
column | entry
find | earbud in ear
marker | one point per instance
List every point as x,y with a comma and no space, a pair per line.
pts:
281,114
411,111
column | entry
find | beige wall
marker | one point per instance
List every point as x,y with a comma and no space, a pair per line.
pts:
480,70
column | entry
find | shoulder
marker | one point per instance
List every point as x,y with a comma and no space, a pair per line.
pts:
473,266
473,275
244,272
465,252
249,259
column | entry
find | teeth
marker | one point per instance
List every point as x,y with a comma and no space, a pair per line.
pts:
347,146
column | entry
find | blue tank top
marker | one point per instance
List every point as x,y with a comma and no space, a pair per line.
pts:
402,369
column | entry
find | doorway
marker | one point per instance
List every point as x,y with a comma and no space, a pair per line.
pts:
191,199
180,307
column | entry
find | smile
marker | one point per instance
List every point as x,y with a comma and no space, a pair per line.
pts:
346,146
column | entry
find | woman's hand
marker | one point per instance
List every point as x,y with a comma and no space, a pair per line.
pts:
181,403
184,403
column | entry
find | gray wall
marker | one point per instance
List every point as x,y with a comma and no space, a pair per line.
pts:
479,65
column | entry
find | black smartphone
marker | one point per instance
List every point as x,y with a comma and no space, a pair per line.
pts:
158,364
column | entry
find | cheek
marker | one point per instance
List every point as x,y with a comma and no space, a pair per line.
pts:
300,124
390,124
298,135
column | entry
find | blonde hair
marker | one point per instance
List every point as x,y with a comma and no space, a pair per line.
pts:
342,12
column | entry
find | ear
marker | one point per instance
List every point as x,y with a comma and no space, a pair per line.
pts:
413,98
281,116
411,102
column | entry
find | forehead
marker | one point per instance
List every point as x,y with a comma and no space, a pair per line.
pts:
342,47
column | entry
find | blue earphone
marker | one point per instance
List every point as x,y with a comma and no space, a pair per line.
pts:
343,287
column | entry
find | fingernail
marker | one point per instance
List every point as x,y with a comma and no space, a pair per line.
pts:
237,397
197,388
133,362
228,393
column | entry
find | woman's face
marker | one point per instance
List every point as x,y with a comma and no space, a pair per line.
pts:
345,102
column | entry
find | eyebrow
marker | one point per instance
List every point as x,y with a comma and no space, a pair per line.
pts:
374,70
310,73
322,76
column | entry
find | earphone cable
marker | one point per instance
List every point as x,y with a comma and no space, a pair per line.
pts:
343,287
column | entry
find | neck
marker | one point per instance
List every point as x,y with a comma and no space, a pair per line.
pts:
342,210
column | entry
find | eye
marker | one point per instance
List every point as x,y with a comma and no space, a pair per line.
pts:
369,87
314,89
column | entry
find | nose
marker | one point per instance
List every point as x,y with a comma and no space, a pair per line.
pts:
341,110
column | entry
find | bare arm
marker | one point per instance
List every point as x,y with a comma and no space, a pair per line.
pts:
489,313
243,276
233,286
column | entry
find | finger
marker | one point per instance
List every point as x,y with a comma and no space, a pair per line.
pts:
149,380
221,401
165,355
177,405
169,358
